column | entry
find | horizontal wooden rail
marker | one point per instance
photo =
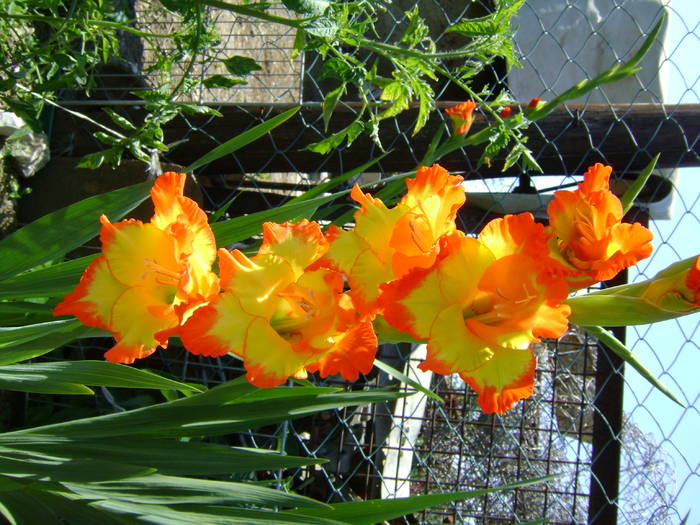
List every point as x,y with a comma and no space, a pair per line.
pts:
566,141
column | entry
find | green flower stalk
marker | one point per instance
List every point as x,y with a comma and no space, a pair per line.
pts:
672,293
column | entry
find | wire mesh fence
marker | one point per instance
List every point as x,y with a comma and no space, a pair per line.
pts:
595,426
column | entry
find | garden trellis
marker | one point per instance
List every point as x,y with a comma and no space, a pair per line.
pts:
574,425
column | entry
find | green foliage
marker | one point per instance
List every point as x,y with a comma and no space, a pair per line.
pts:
36,64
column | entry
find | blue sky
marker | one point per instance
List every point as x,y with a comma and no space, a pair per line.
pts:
670,349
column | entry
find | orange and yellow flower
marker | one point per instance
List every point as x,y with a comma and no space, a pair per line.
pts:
591,240
479,313
462,116
150,276
280,317
386,243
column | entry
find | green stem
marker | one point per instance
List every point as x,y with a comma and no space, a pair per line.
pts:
380,47
103,23
70,111
247,11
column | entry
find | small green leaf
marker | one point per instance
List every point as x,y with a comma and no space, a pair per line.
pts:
299,43
329,103
627,199
120,121
240,66
322,27
614,344
307,7
220,81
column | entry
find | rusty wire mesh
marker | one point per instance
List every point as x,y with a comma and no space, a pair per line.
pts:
429,447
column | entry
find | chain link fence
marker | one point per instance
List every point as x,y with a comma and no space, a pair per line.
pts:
593,424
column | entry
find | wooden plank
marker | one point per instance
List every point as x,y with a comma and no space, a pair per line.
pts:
566,141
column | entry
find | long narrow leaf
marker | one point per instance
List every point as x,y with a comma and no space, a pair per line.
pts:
614,74
94,373
17,352
57,233
632,192
336,181
614,344
371,512
405,379
242,140
209,515
189,418
10,335
171,457
54,281
242,228
173,490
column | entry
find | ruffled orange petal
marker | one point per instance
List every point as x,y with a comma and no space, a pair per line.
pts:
516,234
352,354
503,380
524,300
410,304
630,243
300,244
218,328
596,179
92,300
592,239
452,347
137,316
255,281
269,359
172,207
432,201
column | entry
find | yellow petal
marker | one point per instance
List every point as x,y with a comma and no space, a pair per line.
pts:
255,281
503,380
138,253
452,348
269,359
92,300
374,223
137,316
217,328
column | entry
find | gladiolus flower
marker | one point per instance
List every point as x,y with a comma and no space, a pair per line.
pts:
479,315
462,116
150,277
279,317
591,239
387,243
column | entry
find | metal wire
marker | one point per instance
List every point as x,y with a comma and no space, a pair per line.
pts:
452,446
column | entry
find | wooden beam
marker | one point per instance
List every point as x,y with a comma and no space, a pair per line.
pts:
565,142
